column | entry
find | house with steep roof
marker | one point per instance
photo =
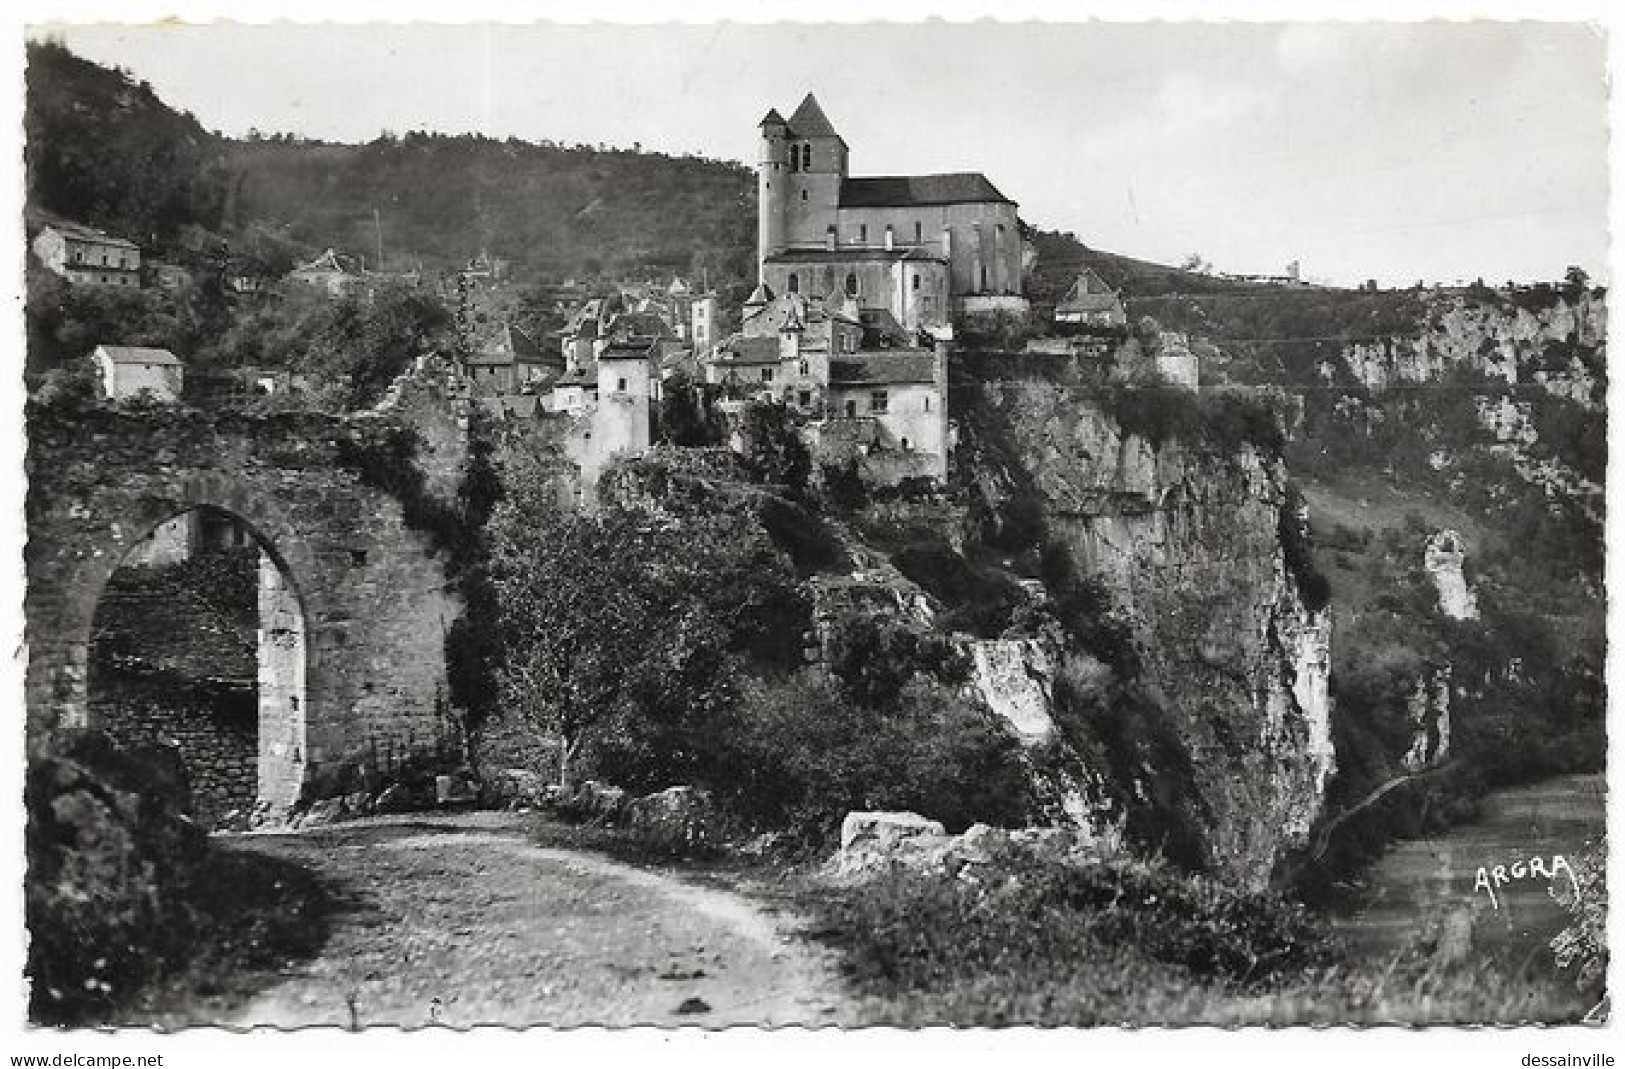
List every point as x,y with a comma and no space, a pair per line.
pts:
132,370
1091,302
328,272
83,254
927,248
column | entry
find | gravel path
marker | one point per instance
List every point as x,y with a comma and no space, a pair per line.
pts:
460,921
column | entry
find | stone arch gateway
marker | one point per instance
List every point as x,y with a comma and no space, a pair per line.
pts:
359,592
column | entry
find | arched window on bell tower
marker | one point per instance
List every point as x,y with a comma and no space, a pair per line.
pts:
806,157
795,158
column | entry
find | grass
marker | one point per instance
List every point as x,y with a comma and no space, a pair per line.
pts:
1138,944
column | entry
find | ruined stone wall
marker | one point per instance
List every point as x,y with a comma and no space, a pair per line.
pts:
371,589
213,732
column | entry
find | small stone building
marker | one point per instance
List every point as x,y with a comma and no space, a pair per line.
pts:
131,370
83,254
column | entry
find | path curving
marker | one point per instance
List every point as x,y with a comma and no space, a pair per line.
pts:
462,921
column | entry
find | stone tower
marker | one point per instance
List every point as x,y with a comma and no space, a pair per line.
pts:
803,161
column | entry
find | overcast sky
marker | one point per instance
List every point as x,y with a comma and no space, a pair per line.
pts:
1396,151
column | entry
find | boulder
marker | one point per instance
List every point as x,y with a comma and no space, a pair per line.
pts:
519,786
597,801
886,828
456,788
873,842
677,816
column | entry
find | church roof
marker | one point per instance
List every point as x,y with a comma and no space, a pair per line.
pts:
772,116
760,295
909,191
809,120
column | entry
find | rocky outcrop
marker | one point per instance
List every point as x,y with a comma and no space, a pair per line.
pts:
1443,559
1014,678
1429,710
1186,540
890,842
1499,339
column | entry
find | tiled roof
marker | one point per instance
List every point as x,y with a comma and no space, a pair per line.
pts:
745,350
630,350
139,354
919,190
809,120
772,116
897,366
90,233
584,375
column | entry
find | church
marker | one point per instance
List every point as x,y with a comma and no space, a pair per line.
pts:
926,248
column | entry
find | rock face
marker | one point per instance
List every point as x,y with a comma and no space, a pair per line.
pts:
1443,559
1503,342
1014,677
1187,543
1429,708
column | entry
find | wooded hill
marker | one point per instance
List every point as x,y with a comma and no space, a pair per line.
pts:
105,150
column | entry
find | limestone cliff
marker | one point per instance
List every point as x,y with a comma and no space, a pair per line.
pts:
1547,343
1186,539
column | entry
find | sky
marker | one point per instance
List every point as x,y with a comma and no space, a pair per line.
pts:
1395,151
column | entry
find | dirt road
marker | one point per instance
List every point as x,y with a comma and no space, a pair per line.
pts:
461,921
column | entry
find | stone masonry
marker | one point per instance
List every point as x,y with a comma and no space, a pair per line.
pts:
348,587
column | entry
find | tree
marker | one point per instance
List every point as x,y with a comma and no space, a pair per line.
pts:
1575,280
771,447
571,611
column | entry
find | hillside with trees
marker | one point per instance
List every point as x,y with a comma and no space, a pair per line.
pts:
105,150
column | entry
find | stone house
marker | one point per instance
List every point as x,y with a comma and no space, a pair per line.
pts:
328,273
1091,302
864,385
83,254
926,248
131,370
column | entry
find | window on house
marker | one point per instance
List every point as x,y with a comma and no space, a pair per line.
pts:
984,276
916,281
905,445
794,285
620,384
806,157
804,367
851,409
863,233
928,404
803,194
851,284
804,398
795,158
877,401
919,232
767,374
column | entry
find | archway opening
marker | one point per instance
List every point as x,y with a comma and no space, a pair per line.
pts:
198,644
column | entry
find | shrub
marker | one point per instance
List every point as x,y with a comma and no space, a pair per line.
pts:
1296,546
801,753
921,933
980,600
109,853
